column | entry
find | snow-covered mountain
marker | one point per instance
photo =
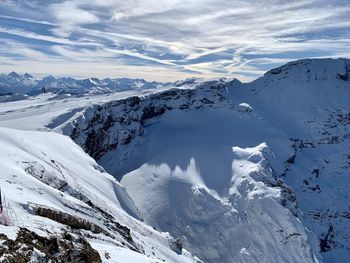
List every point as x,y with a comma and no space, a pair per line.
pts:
61,206
239,172
14,83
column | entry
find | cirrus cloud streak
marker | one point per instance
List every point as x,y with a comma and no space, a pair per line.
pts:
169,39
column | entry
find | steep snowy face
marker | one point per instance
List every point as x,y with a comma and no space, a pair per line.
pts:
248,222
309,99
320,179
312,109
308,70
316,107
60,205
306,83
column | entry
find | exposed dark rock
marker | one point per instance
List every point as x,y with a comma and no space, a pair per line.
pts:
30,247
315,188
120,122
176,245
327,241
39,172
291,159
79,223
151,112
316,172
275,71
346,75
67,219
133,101
288,197
346,215
306,182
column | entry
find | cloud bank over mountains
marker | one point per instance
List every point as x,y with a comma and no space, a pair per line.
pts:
169,39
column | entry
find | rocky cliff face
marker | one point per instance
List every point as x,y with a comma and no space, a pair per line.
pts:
103,128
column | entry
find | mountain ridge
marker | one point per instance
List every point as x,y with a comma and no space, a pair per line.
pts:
29,85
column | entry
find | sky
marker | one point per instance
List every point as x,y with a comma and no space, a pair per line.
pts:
167,40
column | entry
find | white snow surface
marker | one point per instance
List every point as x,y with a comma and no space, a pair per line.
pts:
48,111
49,170
246,215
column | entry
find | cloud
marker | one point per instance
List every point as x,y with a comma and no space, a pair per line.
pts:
69,15
174,37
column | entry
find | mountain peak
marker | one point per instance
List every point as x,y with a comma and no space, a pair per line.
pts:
13,75
28,76
49,77
313,69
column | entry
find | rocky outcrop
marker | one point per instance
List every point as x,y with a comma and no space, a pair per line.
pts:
346,75
69,220
31,247
326,241
79,223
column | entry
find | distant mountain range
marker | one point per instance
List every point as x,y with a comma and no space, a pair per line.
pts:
14,83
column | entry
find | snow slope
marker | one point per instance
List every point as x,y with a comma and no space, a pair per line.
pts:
52,187
49,111
247,223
